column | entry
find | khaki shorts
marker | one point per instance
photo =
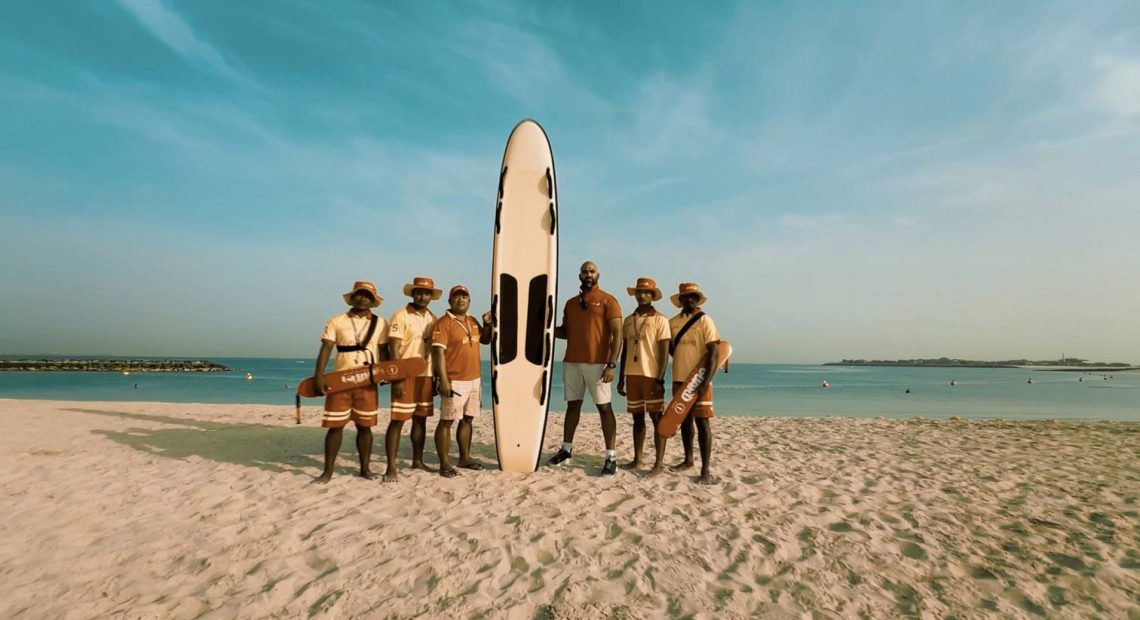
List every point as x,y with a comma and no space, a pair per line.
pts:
360,405
703,408
466,404
644,394
419,395
578,378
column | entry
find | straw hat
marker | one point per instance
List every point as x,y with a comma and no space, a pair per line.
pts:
367,287
687,288
645,284
424,283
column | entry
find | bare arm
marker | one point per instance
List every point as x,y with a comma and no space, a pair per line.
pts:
322,362
485,329
397,387
714,361
439,367
621,371
615,349
663,355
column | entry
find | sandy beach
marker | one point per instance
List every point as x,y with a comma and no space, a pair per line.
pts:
152,510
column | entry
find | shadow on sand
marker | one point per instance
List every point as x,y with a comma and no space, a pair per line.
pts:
279,449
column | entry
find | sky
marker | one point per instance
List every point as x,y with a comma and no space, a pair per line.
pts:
843,179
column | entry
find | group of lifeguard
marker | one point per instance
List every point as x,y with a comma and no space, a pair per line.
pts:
597,341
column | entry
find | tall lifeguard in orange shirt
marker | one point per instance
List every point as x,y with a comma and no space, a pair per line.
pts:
591,325
409,332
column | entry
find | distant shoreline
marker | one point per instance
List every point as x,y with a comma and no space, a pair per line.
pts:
1019,364
111,365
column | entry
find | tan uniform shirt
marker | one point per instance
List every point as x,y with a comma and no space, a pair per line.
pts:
642,333
691,348
346,330
411,328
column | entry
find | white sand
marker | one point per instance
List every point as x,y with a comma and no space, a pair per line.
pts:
148,510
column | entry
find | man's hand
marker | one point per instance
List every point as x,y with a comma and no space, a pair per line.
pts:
319,381
658,389
445,387
486,318
608,375
621,386
398,389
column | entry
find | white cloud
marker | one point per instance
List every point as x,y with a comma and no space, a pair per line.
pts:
1118,90
173,31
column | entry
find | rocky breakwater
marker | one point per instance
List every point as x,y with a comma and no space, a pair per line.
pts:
112,365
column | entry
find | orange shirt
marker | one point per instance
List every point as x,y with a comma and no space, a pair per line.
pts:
459,339
588,334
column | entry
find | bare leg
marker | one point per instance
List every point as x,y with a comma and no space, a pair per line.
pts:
332,446
609,425
419,435
443,448
391,448
463,438
704,429
687,444
638,440
658,446
573,413
364,449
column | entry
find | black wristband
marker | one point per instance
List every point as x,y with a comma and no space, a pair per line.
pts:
611,365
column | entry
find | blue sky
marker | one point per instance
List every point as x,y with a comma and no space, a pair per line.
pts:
844,179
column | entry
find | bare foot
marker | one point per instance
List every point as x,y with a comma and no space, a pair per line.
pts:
322,479
473,465
367,475
390,475
420,465
706,479
634,464
682,466
449,473
657,470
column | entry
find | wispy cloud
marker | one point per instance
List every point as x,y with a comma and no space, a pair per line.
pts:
176,33
1118,90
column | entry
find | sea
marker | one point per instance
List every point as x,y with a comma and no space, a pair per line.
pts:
781,390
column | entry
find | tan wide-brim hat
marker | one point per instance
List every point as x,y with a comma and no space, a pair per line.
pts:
688,288
645,284
424,283
367,287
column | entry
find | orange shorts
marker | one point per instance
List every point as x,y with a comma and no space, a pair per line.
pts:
360,405
703,408
418,398
644,394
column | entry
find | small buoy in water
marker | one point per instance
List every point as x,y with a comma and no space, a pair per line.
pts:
953,383
1030,380
248,376
907,391
824,384
126,372
1080,379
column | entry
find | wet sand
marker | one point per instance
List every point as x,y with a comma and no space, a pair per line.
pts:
145,510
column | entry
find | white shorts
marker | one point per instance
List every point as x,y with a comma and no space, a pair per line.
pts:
576,378
466,404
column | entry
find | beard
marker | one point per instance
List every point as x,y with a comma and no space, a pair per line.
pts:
588,284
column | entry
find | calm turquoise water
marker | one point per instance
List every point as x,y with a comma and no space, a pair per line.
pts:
748,389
